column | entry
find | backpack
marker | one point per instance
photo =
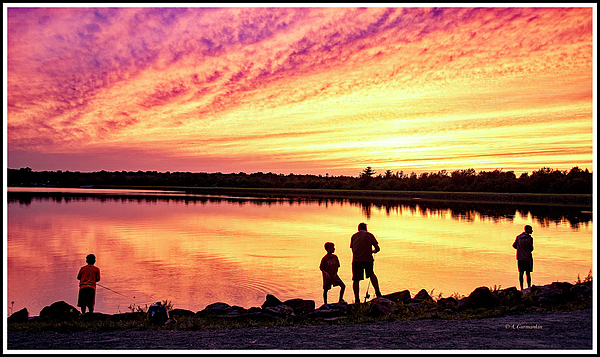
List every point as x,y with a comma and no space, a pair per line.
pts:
157,313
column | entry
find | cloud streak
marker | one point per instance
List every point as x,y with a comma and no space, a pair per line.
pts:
274,88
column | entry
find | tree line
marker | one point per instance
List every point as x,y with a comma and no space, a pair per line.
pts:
544,180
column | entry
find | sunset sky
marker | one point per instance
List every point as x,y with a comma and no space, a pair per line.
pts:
303,90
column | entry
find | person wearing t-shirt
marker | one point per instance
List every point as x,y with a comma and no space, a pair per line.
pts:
329,267
363,245
88,276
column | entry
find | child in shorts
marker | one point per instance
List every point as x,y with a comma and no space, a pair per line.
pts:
88,276
329,267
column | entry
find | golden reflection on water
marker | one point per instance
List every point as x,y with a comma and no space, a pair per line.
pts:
197,253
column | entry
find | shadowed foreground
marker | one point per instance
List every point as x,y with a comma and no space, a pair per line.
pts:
553,331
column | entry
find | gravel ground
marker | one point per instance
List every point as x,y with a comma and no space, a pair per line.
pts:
531,331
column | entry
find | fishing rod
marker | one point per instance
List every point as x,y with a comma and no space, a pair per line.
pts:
112,290
368,296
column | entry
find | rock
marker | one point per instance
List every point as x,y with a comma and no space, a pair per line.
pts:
218,308
334,319
300,306
128,316
280,310
59,311
325,313
330,310
550,295
382,301
253,310
464,304
343,306
483,297
423,295
447,303
510,296
96,316
271,301
414,305
401,296
19,316
564,286
181,312
580,292
380,307
528,292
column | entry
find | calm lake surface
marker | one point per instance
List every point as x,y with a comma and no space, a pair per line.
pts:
198,250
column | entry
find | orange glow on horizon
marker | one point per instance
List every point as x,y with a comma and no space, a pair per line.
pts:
299,90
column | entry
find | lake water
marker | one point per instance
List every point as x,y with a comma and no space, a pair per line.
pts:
198,250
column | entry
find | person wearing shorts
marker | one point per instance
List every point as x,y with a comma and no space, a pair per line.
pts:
363,245
329,267
88,276
524,246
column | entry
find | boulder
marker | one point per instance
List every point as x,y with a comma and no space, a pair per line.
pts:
580,292
271,301
401,296
19,316
447,303
325,312
464,304
414,301
510,296
533,290
300,306
483,297
281,310
128,316
550,295
59,311
423,295
218,308
181,312
380,307
96,316
564,286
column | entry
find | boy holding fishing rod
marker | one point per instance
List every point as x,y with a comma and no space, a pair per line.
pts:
329,267
88,276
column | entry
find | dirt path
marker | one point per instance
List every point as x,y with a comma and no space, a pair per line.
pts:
532,331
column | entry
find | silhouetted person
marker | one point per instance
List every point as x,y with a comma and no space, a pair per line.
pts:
524,246
88,276
362,259
329,266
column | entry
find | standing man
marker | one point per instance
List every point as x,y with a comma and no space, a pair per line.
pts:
524,246
362,259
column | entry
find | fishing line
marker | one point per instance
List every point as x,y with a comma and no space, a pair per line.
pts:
112,290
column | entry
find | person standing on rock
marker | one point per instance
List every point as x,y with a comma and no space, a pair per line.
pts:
329,267
524,246
88,276
361,244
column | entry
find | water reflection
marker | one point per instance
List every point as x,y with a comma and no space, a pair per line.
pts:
197,250
544,215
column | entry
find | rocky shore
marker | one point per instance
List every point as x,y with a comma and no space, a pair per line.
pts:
486,319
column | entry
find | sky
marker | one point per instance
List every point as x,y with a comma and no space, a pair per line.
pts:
303,90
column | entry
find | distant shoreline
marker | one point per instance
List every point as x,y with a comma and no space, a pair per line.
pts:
575,200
